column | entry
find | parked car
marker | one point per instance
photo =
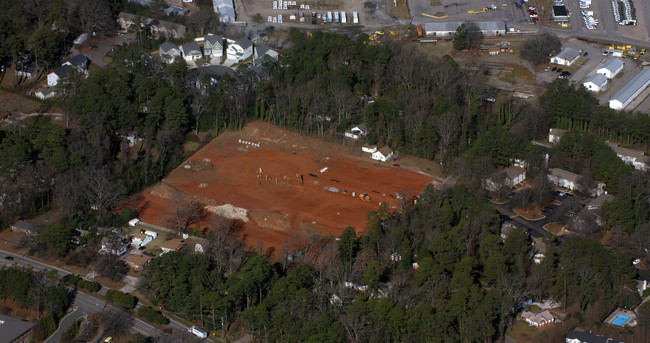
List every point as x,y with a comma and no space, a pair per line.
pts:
635,262
559,70
554,69
547,68
9,258
396,165
585,54
606,52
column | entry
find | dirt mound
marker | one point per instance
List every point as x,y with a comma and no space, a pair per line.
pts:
163,190
229,211
271,220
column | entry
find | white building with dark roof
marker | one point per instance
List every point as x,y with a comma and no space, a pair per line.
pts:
611,67
554,135
569,180
631,90
168,52
191,51
636,158
240,50
595,83
566,57
263,52
488,28
382,154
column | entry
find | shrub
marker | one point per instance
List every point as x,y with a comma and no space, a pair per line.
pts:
152,315
126,301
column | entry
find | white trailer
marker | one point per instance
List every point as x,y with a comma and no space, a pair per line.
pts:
198,332
344,18
355,17
329,17
336,17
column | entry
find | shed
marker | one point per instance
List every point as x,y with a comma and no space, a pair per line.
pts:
611,67
369,148
595,83
134,222
356,131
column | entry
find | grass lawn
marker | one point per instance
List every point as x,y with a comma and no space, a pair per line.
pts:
438,49
518,76
522,332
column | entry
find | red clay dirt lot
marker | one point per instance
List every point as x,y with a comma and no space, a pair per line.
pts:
225,176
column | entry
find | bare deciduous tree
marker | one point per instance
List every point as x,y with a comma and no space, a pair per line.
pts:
448,128
185,213
101,189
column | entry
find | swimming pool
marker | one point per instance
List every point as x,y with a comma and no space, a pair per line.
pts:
620,320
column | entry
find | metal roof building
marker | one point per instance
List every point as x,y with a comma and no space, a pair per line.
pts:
488,28
611,67
595,83
631,90
566,57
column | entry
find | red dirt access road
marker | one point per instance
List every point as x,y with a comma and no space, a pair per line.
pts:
236,180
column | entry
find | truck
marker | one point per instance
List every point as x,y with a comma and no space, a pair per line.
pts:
198,332
336,17
329,17
344,18
355,17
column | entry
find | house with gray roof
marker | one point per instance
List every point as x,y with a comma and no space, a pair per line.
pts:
240,50
213,46
225,9
81,62
15,330
28,227
54,77
569,180
595,83
566,57
631,90
264,52
587,337
447,29
636,158
168,52
191,51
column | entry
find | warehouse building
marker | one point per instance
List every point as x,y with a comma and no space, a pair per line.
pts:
595,83
631,90
488,28
611,67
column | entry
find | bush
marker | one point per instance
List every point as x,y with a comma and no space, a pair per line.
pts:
75,280
152,315
126,301
538,49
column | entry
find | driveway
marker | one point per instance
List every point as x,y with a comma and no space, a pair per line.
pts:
105,45
65,323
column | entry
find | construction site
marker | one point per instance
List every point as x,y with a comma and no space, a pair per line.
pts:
279,184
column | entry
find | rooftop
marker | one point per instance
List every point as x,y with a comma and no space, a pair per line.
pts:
588,337
173,244
597,79
557,132
138,260
12,328
568,54
625,151
513,172
262,49
563,174
28,226
600,200
167,46
213,39
452,26
244,42
612,64
385,151
640,81
560,11
79,61
188,47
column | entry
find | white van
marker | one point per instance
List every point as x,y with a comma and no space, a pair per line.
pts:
198,332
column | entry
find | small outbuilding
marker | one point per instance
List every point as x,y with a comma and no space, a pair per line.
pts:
595,83
356,131
369,148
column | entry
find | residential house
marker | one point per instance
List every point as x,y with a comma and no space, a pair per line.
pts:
566,57
54,77
595,83
15,330
44,93
382,154
226,10
159,28
587,337
140,239
357,131
569,180
597,204
27,227
554,135
635,158
369,148
240,50
213,46
29,71
510,177
168,52
80,62
137,261
264,52
538,320
611,67
175,244
191,51
114,244
176,11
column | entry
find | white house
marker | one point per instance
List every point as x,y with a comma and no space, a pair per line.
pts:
356,131
635,158
54,77
611,67
240,50
44,93
213,46
538,319
511,177
140,239
263,52
595,83
114,245
566,57
369,148
569,180
80,62
28,71
191,51
382,154
554,135
168,52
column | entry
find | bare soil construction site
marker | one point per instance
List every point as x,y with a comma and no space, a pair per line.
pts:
278,183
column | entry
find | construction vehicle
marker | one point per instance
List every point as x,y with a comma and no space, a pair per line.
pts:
480,11
379,33
419,27
393,33
364,196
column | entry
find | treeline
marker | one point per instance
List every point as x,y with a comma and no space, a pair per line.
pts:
48,299
436,271
571,106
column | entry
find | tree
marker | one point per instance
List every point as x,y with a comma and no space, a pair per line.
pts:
115,322
185,213
204,20
46,47
56,239
93,16
538,49
101,189
460,38
347,245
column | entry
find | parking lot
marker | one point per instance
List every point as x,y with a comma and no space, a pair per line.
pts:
422,11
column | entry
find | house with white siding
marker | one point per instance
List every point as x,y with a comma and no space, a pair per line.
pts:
240,50
168,52
213,46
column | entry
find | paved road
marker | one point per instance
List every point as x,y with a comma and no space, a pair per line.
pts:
85,303
104,45
65,323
